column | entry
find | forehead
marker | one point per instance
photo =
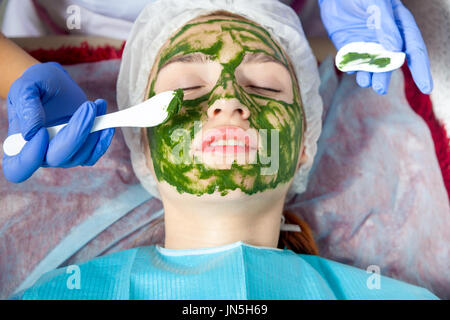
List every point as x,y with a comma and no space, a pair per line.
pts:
221,38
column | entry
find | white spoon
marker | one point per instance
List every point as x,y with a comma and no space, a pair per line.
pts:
149,113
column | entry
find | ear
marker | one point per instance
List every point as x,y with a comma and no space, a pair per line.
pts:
146,147
302,157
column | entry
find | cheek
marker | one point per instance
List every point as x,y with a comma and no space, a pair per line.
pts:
286,119
164,138
274,114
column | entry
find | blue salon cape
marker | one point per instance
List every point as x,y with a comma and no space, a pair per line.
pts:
233,271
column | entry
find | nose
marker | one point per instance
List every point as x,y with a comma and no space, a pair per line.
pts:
226,107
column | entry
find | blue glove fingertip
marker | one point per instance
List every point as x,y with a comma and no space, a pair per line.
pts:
363,79
420,71
90,112
380,82
426,88
378,88
101,147
101,106
84,116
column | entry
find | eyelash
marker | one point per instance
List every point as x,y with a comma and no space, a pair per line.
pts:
263,88
191,88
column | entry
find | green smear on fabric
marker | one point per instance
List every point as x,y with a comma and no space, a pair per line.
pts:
367,57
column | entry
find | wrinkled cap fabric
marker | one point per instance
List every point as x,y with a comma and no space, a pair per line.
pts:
160,19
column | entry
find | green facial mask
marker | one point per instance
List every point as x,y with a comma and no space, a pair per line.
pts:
279,118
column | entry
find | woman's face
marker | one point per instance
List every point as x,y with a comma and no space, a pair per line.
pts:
241,123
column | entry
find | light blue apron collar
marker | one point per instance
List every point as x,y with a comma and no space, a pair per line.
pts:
196,251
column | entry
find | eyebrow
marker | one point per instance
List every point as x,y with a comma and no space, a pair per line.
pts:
195,57
198,57
259,57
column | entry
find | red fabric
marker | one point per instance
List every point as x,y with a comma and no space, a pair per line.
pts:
73,55
421,104
45,18
418,101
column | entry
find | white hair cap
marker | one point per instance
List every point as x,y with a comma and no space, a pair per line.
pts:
161,18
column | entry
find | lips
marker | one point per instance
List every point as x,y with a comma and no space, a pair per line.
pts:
228,139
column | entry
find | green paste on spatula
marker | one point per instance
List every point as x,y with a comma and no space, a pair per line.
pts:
175,104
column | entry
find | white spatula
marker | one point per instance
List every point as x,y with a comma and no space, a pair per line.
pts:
149,113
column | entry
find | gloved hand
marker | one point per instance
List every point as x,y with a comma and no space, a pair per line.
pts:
45,95
386,22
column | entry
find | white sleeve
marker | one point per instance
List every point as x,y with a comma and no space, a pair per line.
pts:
112,18
21,20
119,9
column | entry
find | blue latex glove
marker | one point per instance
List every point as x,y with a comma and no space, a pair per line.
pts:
45,95
387,22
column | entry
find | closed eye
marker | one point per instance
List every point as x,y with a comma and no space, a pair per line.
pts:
264,88
191,88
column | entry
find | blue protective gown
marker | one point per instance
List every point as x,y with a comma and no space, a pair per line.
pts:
233,271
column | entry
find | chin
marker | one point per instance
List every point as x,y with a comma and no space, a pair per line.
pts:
237,195
224,161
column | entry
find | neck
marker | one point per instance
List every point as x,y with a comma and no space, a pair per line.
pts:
196,222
